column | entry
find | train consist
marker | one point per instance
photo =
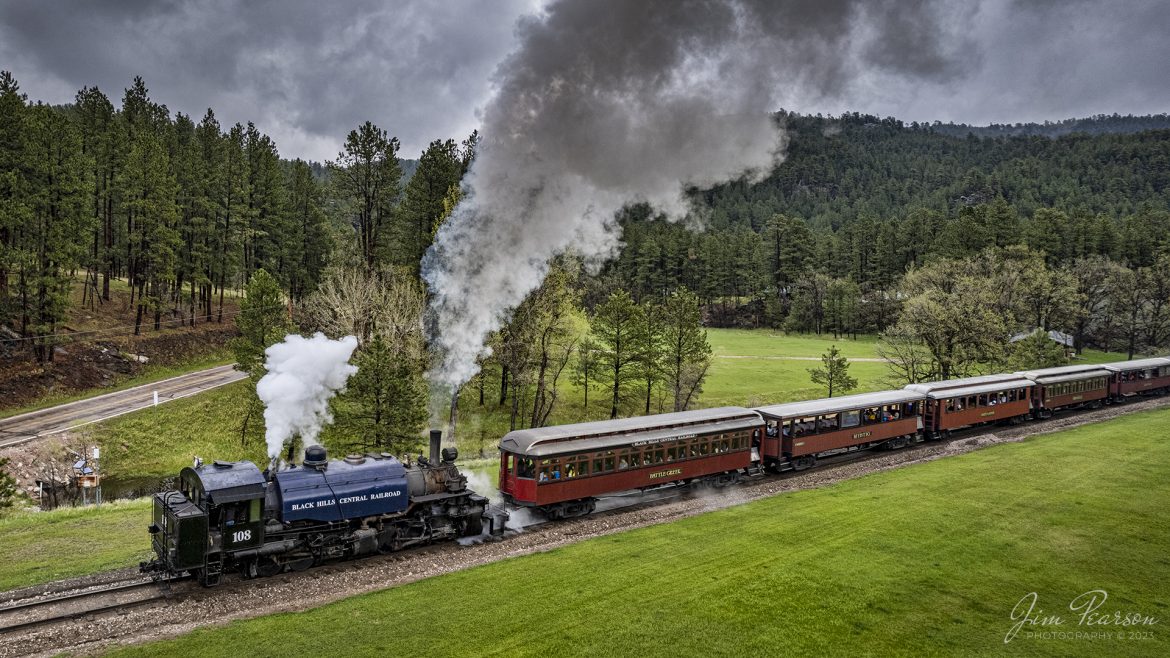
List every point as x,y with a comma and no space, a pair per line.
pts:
562,471
230,516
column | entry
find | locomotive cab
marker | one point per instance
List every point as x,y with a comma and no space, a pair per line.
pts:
179,532
218,508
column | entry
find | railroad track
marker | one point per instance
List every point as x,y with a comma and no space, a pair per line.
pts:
58,608
32,612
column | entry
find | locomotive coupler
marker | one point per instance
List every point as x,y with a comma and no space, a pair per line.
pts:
496,518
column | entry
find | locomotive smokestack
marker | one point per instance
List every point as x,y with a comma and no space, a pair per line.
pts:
436,441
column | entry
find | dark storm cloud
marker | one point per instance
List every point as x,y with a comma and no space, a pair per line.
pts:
308,71
1032,60
609,102
305,72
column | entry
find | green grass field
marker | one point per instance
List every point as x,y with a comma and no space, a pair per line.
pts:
925,560
158,442
39,547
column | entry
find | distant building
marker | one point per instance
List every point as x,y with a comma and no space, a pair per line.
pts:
1061,338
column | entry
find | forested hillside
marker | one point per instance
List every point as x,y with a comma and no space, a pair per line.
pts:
868,225
1094,125
859,200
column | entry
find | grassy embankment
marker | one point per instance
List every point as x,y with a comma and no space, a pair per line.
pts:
930,559
749,368
151,372
112,322
39,547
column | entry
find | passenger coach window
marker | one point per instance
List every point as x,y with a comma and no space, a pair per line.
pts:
851,418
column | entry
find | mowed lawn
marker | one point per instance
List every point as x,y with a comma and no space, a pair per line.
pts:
929,559
37,547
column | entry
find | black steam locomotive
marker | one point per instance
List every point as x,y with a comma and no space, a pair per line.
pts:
229,516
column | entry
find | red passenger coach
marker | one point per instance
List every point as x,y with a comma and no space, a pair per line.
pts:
562,470
956,403
1139,377
798,433
1067,386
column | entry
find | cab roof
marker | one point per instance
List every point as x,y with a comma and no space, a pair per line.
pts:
227,482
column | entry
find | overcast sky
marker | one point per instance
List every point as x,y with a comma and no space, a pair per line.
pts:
308,72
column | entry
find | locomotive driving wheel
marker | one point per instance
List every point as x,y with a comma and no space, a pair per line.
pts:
267,567
472,526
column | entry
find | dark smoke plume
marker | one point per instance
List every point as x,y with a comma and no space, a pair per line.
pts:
609,102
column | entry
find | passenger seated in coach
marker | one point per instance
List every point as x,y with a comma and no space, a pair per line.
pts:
569,472
622,464
556,474
544,476
787,432
871,415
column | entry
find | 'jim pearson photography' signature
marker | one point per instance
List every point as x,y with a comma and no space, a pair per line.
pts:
1087,619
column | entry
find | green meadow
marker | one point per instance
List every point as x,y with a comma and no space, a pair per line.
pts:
39,547
925,560
749,368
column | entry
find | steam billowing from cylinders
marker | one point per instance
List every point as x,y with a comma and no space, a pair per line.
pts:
610,102
303,374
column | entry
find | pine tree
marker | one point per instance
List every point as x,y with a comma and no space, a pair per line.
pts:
309,241
439,169
384,406
14,192
262,322
50,244
650,348
833,373
615,325
688,354
367,175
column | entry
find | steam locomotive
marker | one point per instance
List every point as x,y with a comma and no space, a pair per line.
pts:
231,517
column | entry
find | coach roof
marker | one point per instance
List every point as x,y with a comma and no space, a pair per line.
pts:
834,405
525,441
1137,364
1065,373
950,388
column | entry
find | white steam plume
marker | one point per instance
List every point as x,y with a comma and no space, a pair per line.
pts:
609,102
303,374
